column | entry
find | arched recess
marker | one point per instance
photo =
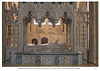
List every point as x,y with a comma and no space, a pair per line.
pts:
44,40
34,41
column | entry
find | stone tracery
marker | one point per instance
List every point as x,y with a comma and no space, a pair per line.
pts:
39,12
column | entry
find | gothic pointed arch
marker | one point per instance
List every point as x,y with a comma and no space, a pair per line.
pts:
52,13
31,9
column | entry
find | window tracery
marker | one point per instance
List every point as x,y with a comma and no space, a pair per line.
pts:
82,24
12,24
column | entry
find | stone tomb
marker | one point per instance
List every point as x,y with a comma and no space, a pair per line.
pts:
69,58
48,54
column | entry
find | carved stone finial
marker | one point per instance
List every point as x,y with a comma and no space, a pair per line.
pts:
53,25
39,24
29,15
65,15
47,14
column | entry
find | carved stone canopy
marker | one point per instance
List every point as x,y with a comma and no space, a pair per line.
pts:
51,10
65,19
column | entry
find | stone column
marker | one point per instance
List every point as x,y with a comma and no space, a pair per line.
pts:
96,33
47,26
25,32
93,31
32,25
20,22
70,25
4,32
74,42
67,32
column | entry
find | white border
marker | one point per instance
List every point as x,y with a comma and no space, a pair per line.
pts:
48,68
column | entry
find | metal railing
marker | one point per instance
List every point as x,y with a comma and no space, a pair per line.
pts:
7,61
89,62
31,58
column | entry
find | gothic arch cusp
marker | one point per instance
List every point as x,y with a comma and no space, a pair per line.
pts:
29,8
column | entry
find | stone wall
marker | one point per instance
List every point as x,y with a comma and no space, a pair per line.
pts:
48,31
